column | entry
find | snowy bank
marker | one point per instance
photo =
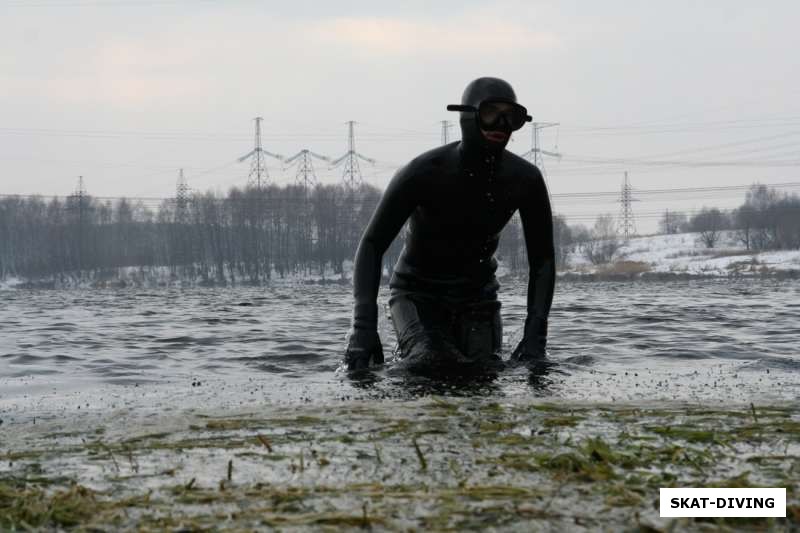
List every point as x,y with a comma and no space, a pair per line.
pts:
683,255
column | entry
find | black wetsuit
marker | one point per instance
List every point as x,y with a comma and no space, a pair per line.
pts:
444,292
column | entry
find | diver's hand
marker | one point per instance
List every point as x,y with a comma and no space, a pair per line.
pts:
363,345
533,343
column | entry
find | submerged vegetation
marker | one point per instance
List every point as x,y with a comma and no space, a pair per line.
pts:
442,463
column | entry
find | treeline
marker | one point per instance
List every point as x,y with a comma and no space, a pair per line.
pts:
247,235
767,220
250,235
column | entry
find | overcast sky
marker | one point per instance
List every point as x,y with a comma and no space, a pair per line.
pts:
126,92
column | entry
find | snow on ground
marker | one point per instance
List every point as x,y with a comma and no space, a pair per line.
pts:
10,283
163,276
685,254
682,254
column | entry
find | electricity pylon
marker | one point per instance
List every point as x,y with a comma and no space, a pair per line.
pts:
78,202
352,172
626,222
307,179
536,152
181,198
446,125
258,176
305,176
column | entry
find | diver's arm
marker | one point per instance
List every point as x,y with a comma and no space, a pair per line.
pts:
537,225
394,208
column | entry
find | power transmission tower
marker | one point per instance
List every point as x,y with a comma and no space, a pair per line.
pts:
258,176
352,182
668,222
305,176
352,172
626,222
536,152
446,125
78,203
307,179
181,199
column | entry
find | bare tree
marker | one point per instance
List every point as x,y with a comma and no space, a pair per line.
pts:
604,242
787,222
562,240
745,220
710,223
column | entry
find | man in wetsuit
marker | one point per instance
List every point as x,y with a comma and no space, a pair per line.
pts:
444,291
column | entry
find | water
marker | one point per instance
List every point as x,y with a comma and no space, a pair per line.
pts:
227,409
163,350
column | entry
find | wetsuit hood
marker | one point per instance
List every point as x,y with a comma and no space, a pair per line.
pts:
481,90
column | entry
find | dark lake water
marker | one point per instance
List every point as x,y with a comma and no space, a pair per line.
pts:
84,351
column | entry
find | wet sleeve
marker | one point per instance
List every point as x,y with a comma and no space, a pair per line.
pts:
537,224
396,205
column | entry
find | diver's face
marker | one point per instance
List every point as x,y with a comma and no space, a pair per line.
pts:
499,132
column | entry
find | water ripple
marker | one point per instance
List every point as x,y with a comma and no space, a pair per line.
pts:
605,338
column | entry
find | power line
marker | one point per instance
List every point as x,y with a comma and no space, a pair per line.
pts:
683,163
687,127
640,192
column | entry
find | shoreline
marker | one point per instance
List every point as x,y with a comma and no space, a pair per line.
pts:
435,463
72,282
653,258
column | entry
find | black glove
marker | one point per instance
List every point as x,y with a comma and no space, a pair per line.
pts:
363,345
532,345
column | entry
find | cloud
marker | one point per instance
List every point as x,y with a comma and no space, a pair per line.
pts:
474,34
209,56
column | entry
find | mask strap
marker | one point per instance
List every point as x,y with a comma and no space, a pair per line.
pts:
464,108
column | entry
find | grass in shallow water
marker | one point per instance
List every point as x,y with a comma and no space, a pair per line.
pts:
438,464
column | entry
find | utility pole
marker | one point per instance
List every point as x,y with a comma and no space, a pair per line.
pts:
352,172
446,125
258,176
627,223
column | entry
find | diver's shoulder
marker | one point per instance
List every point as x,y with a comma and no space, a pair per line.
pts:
434,158
427,164
523,169
520,164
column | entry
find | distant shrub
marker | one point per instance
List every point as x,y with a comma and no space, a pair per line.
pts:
768,220
604,244
625,268
673,222
710,223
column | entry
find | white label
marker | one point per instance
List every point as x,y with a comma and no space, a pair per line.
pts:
722,502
